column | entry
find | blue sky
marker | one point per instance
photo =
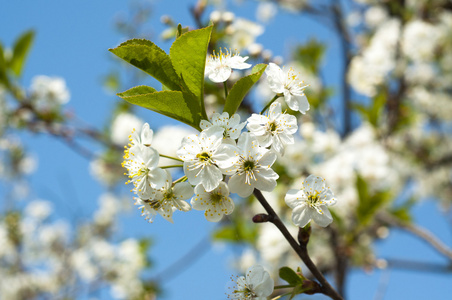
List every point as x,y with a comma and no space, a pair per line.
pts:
72,42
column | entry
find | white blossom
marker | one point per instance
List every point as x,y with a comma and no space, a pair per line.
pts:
252,168
122,125
205,156
49,92
310,202
256,284
288,84
168,199
216,203
142,165
275,130
232,126
219,66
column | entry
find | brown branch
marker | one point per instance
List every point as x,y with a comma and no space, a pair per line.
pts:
419,232
419,266
300,249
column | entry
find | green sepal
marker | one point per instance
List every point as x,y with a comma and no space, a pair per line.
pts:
289,275
174,104
20,51
241,88
188,55
148,57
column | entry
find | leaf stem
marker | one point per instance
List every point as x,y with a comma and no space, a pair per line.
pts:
182,179
301,250
225,89
270,103
170,157
172,166
280,296
283,286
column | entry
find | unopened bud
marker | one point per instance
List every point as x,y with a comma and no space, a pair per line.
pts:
261,218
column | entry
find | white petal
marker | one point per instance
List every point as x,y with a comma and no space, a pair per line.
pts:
294,198
183,190
220,74
157,178
302,103
266,180
146,135
238,185
302,214
324,219
211,177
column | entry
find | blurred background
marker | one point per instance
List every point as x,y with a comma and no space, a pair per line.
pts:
379,132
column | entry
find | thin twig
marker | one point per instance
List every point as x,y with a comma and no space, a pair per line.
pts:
301,250
419,232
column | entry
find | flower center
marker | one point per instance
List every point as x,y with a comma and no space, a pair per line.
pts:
155,204
216,197
272,126
168,195
313,199
204,156
248,165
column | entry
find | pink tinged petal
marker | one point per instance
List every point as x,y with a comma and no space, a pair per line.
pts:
294,198
266,180
238,185
220,74
302,214
183,190
323,219
302,103
211,177
146,135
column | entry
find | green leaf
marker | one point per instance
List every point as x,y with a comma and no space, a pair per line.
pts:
368,203
174,104
3,77
20,51
241,88
290,276
310,55
188,55
148,57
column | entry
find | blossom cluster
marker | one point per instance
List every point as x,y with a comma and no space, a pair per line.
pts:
222,159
